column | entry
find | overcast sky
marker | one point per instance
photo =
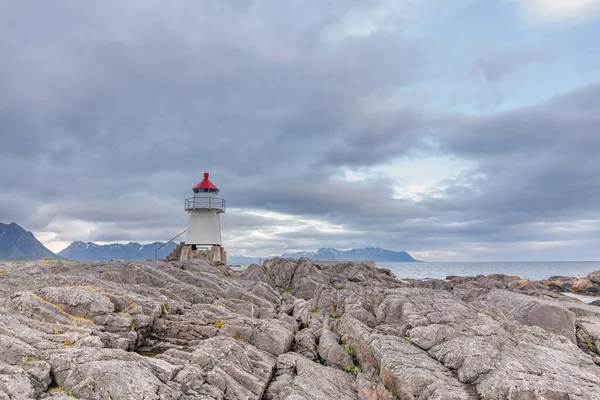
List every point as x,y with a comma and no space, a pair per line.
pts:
454,130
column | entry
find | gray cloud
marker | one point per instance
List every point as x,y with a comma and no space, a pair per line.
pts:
110,113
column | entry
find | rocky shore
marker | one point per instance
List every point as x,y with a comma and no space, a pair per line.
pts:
289,329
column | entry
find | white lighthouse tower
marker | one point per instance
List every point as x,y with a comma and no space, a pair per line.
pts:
203,240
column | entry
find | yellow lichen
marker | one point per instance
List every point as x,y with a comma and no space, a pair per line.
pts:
61,310
61,390
219,324
95,289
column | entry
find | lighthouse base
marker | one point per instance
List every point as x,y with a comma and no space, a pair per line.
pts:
215,255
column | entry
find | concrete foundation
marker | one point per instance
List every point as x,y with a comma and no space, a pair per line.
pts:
215,255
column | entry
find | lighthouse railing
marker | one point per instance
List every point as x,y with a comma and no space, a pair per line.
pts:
211,203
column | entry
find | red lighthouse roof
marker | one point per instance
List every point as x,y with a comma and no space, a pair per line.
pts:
205,184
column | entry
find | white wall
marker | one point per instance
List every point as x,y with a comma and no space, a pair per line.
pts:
204,228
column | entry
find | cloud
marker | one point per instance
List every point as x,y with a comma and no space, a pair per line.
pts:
557,10
498,66
111,112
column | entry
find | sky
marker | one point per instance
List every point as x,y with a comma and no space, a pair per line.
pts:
457,130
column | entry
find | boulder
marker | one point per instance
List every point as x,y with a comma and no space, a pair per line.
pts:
299,378
548,315
332,352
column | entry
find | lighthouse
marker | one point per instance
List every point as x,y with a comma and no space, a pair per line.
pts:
203,239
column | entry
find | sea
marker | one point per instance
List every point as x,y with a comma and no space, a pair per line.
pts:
527,270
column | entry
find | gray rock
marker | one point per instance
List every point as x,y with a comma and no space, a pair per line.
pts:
528,310
332,352
305,344
187,330
406,370
299,378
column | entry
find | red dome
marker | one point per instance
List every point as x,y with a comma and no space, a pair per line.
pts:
205,184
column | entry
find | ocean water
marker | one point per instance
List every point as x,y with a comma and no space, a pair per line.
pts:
526,270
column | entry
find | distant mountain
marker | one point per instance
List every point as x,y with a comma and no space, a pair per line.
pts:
88,251
18,244
364,254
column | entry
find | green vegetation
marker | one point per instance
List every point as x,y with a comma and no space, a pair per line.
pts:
313,309
5,271
47,259
288,288
238,338
219,324
339,286
164,308
335,315
355,370
349,349
61,390
28,359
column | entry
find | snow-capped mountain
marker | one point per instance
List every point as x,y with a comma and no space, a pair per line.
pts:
18,244
88,251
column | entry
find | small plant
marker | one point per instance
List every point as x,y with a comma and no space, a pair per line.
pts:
348,368
56,331
288,288
238,338
67,343
219,324
339,286
313,309
164,308
47,259
348,349
61,390
28,359
335,315
125,315
407,338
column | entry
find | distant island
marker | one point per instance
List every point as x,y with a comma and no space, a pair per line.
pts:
331,254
